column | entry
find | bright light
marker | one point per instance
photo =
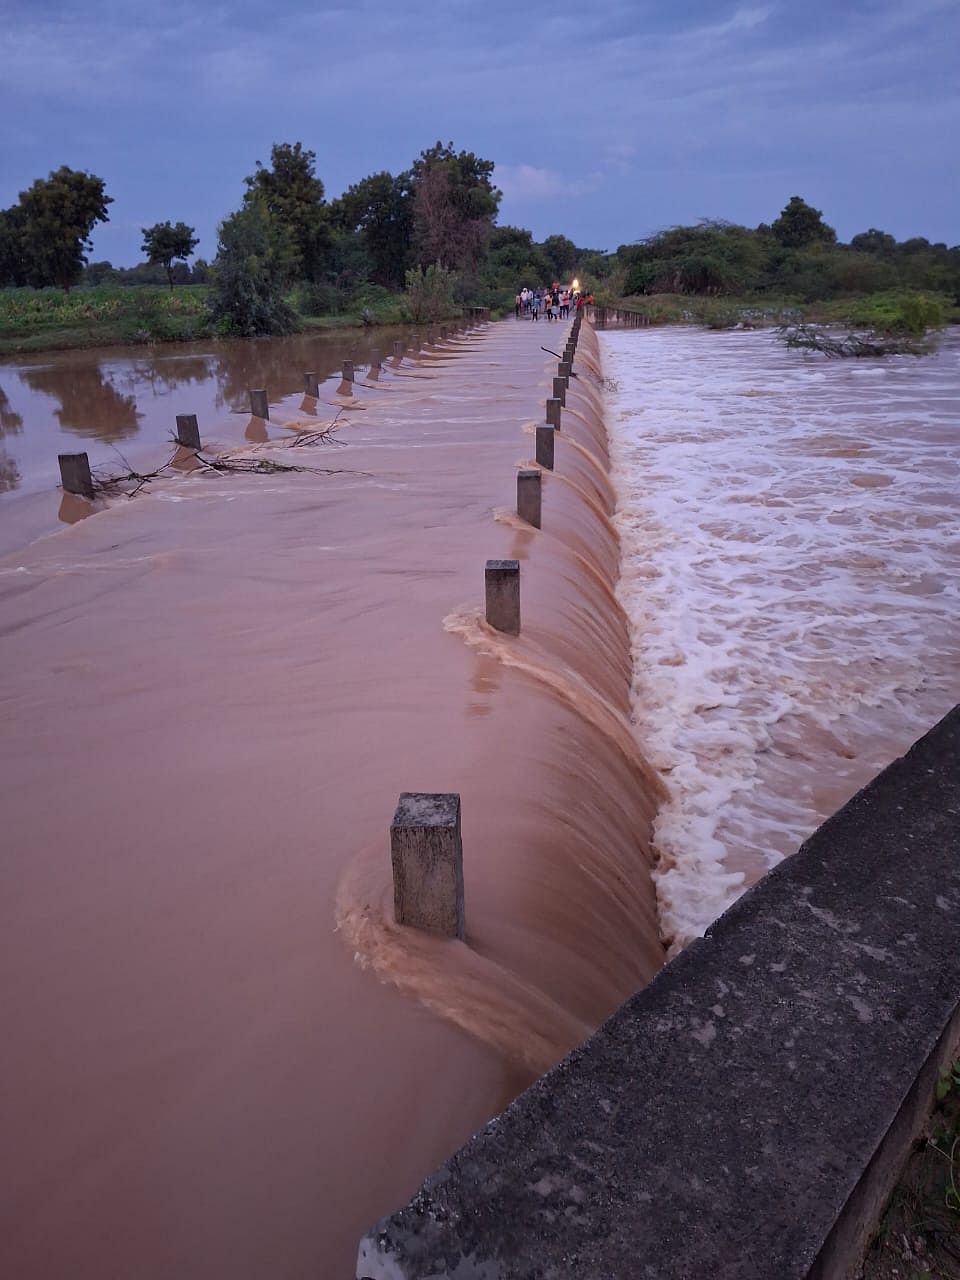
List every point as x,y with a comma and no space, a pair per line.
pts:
575,286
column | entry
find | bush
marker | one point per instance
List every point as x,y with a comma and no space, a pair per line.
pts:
249,275
430,293
898,313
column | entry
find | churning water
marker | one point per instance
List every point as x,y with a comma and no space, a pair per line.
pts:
790,552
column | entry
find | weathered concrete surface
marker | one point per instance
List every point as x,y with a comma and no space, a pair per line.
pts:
745,1115
502,595
426,852
75,474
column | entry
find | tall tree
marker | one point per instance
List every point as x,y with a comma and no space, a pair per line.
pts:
455,204
874,241
800,224
561,254
58,214
380,210
250,272
293,195
163,242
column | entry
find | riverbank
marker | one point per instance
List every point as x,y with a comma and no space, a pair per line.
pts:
36,320
889,312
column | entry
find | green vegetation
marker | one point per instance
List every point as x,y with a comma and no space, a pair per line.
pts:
430,292
164,242
45,236
255,262
919,1235
424,243
48,319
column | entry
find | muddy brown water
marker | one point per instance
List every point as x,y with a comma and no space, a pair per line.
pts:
221,1057
115,401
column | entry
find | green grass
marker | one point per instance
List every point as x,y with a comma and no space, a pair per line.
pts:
121,315
894,312
48,319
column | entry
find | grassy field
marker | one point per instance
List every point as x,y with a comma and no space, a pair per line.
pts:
884,312
122,315
108,315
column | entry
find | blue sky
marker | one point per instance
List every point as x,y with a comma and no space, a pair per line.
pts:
607,120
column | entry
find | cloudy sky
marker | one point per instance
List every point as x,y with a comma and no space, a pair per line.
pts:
607,119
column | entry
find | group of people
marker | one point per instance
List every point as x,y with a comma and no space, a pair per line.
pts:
555,302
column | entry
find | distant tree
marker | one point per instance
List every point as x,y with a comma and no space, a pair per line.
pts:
561,253
874,241
455,204
201,271
164,241
800,225
58,215
293,195
380,210
514,260
250,272
95,273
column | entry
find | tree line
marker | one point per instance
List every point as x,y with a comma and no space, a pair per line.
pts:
798,255
432,229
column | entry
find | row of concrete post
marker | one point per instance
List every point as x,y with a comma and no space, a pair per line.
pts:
75,474
604,317
426,848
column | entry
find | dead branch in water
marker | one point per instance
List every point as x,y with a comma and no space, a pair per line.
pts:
837,346
111,484
224,463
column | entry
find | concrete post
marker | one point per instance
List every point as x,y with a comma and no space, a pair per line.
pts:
502,583
427,855
415,343
546,439
560,390
528,497
443,333
565,371
75,474
348,370
398,351
259,407
311,386
375,361
188,430
553,413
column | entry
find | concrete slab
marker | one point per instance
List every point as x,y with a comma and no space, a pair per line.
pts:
745,1115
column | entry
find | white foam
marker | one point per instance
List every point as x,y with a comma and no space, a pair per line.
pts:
791,561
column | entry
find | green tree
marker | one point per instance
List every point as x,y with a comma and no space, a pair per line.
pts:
430,293
293,195
95,273
379,209
164,241
455,204
561,253
251,270
874,241
513,260
58,214
800,225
